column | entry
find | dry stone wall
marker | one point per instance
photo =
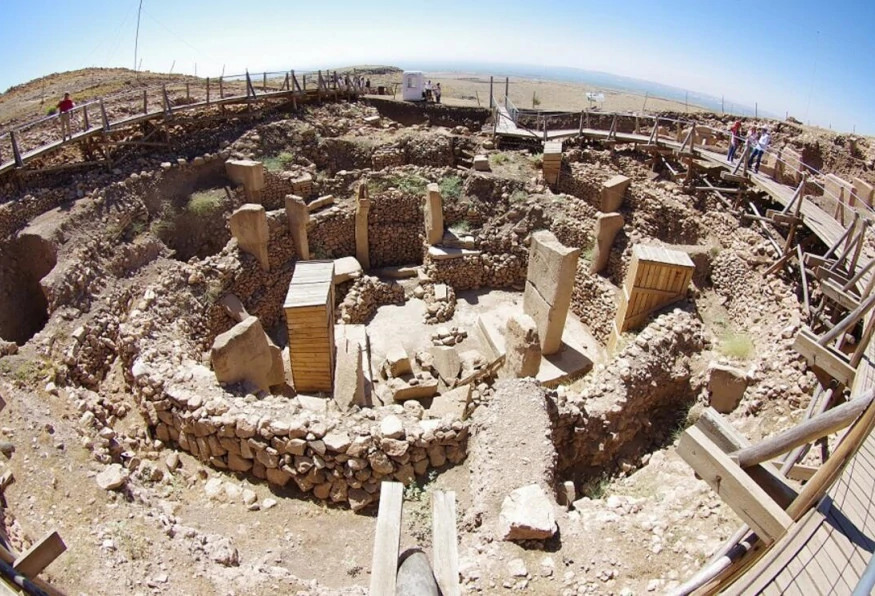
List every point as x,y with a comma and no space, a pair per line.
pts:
633,403
337,458
395,229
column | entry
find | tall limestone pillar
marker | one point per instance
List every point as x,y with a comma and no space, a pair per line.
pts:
434,215
298,216
362,207
607,225
549,284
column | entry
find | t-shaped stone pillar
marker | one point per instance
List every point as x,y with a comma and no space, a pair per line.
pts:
612,193
249,174
606,227
434,215
362,207
249,227
549,283
298,216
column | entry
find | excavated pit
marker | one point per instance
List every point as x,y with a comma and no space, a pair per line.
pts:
23,305
143,322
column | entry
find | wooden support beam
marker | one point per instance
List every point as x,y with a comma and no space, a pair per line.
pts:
809,431
37,557
824,357
384,564
832,291
803,273
779,217
768,476
849,321
801,473
738,490
445,543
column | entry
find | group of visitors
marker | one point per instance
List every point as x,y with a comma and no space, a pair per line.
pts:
432,92
362,83
757,139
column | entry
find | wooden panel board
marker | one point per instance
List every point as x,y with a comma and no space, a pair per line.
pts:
823,357
39,555
445,543
735,487
384,564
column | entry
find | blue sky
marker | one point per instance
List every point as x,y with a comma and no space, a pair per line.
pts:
811,59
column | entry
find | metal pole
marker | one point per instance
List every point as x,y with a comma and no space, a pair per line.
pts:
867,581
137,37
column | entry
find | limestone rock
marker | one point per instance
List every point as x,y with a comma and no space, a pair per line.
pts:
446,362
727,385
526,514
391,427
397,361
112,477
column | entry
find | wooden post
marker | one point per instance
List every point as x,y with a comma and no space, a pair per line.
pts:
187,91
145,104
491,99
16,154
103,115
208,90
264,81
221,88
85,123
304,80
506,89
250,90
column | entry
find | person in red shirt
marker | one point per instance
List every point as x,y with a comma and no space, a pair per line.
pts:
735,141
65,106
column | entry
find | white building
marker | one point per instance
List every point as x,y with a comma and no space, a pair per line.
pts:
413,84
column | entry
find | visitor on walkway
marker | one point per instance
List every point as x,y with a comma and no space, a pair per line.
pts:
65,106
368,86
428,94
760,148
735,141
437,93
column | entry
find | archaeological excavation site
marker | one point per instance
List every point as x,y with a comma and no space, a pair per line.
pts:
267,340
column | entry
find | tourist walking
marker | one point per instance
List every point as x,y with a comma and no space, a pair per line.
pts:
437,93
65,106
735,133
761,145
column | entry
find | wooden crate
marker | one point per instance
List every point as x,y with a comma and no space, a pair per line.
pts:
309,308
656,277
552,161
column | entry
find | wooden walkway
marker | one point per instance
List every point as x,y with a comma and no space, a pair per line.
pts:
816,219
155,104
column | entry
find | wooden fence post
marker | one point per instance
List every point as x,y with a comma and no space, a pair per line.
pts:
145,103
85,124
208,90
103,115
16,154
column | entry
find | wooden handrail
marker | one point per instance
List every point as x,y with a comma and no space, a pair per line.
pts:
809,431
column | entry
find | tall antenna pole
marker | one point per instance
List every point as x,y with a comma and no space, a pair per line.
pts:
137,38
